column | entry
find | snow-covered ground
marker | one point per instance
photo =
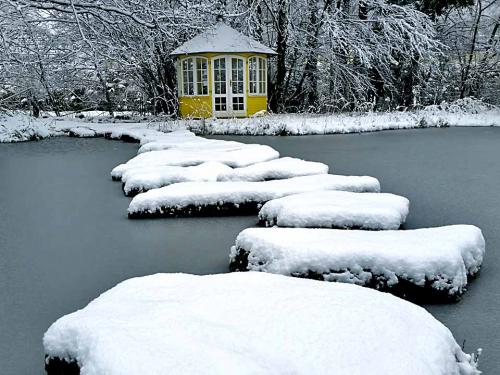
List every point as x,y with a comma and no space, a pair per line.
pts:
303,124
439,259
191,198
336,209
465,112
138,180
253,323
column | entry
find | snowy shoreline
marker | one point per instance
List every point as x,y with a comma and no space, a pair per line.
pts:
20,127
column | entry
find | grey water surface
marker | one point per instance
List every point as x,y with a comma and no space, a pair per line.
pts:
65,237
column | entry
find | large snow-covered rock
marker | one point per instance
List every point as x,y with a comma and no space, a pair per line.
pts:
193,143
240,157
275,169
139,180
252,323
336,209
432,261
211,198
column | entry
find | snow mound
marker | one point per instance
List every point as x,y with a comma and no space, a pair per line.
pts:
240,157
336,209
432,260
210,198
275,169
253,323
139,180
82,132
19,127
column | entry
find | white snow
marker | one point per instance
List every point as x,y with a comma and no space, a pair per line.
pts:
443,256
253,323
338,209
342,123
221,38
242,156
275,169
82,132
193,143
176,197
17,127
143,179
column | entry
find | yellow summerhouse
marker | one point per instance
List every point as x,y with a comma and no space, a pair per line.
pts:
222,73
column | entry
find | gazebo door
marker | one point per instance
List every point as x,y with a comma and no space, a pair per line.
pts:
229,86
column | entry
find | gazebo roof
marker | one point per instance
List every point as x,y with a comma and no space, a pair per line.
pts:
222,39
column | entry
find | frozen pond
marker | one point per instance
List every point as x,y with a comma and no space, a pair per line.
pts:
65,236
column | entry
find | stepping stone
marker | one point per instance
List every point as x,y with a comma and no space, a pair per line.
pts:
139,180
336,209
431,263
236,197
250,323
243,156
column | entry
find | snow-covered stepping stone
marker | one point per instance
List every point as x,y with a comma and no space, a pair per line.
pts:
237,197
431,263
241,156
275,169
250,323
143,179
336,209
195,142
138,180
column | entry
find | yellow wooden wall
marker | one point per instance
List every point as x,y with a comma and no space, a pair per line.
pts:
201,106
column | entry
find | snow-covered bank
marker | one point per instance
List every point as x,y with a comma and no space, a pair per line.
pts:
252,323
139,180
304,124
211,198
17,127
21,127
433,261
336,209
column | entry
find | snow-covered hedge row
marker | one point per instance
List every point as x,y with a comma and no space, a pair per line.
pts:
250,323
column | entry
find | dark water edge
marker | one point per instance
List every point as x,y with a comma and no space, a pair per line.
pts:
65,237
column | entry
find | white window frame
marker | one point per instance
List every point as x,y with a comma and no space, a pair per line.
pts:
229,95
195,76
259,60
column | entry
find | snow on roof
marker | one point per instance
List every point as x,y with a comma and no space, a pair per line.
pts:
222,38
